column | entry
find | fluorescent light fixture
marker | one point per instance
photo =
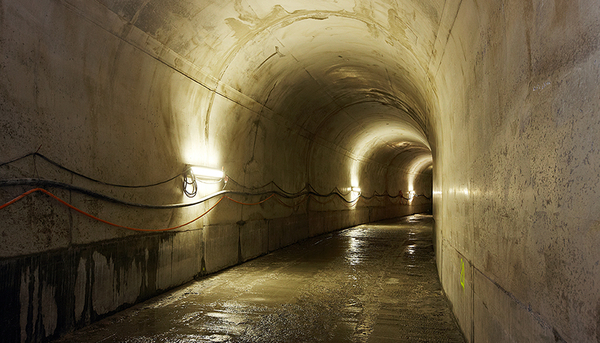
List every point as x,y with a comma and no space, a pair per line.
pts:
193,175
207,173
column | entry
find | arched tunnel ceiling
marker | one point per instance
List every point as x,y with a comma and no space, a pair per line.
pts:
349,73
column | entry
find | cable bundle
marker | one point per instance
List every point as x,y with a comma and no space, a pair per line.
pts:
189,180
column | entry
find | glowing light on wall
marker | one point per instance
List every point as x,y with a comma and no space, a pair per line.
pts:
354,174
205,173
377,138
196,177
411,195
354,193
201,152
416,167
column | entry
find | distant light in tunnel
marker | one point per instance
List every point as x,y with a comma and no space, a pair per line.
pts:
354,193
417,166
411,195
354,175
354,186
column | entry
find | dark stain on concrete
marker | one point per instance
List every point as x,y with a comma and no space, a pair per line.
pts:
24,280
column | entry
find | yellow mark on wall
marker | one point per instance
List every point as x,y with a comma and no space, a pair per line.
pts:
462,273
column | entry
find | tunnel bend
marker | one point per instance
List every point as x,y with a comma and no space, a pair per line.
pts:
338,79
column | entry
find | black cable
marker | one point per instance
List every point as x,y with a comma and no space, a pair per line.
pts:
230,179
307,190
17,159
62,185
189,179
301,192
335,189
87,177
386,194
49,183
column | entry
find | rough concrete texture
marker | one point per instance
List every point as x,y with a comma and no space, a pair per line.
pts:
494,104
371,283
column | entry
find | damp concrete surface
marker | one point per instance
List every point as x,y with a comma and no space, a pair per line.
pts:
371,283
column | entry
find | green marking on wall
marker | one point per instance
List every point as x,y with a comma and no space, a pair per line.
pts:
462,273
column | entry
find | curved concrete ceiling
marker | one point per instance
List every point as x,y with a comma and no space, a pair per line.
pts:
348,74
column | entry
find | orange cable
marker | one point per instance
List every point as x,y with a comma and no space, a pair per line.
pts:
292,206
353,203
102,220
347,204
250,204
322,202
20,197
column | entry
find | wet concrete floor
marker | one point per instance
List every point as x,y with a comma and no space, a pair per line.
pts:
371,283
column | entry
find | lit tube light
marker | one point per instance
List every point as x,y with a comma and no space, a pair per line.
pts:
207,173
195,174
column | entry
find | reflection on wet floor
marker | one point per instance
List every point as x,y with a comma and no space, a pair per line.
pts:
371,283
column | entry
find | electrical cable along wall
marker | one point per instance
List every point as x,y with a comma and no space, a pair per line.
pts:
303,195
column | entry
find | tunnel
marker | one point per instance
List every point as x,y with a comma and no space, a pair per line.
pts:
146,143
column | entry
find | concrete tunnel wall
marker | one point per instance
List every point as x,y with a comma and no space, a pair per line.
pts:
500,97
516,178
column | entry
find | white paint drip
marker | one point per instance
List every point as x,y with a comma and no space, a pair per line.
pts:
540,87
